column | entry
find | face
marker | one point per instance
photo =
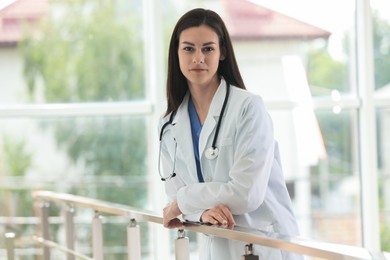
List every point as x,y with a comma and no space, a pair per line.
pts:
199,55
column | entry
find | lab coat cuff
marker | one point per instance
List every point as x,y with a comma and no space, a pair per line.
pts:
189,213
193,217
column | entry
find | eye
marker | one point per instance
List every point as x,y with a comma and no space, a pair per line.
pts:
208,49
188,48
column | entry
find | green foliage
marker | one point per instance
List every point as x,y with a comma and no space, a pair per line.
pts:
86,54
338,141
385,238
381,34
17,158
105,145
90,51
325,72
87,50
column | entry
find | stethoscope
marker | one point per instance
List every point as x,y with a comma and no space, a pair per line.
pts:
210,153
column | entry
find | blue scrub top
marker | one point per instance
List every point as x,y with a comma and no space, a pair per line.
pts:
196,128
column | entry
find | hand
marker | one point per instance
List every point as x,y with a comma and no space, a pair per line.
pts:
219,215
170,214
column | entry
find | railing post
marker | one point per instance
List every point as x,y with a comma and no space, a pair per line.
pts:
69,227
182,246
97,237
133,241
44,207
10,244
249,253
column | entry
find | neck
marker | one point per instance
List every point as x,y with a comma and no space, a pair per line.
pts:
202,97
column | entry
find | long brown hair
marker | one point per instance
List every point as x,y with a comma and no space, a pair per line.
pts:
176,82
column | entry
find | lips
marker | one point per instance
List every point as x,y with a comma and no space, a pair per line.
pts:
197,70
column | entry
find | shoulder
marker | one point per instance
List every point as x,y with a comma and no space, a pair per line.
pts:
246,98
248,106
175,116
164,119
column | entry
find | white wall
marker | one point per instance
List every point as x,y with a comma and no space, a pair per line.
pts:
12,86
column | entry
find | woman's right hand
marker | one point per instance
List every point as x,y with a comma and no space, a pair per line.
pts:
170,215
219,215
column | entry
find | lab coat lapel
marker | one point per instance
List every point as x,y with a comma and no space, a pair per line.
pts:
206,137
182,133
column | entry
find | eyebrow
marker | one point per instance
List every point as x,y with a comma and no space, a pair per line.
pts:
192,44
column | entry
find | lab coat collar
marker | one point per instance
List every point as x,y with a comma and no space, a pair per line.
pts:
182,128
214,110
182,133
212,117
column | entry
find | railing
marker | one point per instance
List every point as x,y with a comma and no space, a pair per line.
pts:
249,236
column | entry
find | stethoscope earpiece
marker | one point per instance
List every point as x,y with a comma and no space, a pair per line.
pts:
167,178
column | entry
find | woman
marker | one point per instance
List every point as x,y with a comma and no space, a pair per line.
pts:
229,172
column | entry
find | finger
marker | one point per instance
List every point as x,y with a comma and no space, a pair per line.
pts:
217,217
168,212
229,216
173,223
218,213
220,217
208,217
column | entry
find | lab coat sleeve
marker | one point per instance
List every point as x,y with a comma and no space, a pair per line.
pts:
164,159
248,175
171,185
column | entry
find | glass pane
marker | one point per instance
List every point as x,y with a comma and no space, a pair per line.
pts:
97,157
384,175
335,187
381,43
318,153
266,32
74,51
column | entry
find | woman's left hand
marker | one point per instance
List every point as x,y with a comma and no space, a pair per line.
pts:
219,215
170,216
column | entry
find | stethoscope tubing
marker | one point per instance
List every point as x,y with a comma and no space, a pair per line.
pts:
170,121
214,149
213,145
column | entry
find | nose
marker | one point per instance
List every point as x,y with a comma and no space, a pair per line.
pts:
198,57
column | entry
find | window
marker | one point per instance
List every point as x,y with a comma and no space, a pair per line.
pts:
82,92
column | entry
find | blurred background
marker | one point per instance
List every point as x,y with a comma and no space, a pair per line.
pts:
82,86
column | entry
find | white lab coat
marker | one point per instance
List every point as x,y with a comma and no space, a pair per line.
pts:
246,176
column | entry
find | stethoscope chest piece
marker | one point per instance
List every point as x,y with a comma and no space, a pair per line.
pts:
211,153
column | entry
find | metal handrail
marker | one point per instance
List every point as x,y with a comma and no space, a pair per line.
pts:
40,240
270,239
